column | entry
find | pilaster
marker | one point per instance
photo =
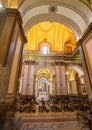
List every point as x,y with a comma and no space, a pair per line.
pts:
12,39
63,79
85,47
58,87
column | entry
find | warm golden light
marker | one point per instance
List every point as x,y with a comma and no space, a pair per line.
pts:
57,36
44,72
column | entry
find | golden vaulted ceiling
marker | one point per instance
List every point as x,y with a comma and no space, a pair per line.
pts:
75,14
57,36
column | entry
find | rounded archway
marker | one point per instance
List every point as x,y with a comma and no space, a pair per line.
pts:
44,84
51,37
65,12
75,80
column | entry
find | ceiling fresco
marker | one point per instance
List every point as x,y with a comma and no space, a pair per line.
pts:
57,36
59,30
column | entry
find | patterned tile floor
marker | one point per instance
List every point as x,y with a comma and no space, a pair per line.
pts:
52,121
55,126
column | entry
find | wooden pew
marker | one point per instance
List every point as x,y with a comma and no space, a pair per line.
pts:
86,116
78,102
74,102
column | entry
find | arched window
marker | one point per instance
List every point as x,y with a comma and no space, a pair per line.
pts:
45,49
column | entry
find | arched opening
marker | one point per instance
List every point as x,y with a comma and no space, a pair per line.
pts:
44,84
57,49
44,49
46,40
50,37
76,80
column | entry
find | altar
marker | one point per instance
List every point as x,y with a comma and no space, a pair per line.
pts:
42,91
43,95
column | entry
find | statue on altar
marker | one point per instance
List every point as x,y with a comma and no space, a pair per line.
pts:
42,91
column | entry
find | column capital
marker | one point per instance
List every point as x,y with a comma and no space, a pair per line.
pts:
14,13
28,62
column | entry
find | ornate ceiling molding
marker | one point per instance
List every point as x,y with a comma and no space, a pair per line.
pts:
77,21
76,6
56,18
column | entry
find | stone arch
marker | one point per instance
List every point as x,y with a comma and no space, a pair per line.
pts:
75,80
44,83
56,18
49,67
75,67
43,14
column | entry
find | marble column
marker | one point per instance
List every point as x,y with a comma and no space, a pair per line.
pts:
54,85
25,76
63,82
30,79
58,87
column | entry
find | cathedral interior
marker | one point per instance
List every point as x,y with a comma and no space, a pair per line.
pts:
46,64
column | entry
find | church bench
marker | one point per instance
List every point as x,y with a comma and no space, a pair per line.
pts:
86,116
54,108
77,102
75,105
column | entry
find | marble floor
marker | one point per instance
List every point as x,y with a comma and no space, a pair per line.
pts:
50,121
54,126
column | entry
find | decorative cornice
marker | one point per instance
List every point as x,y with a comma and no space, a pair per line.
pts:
16,13
30,62
87,32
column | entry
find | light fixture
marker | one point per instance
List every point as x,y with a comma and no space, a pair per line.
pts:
2,6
